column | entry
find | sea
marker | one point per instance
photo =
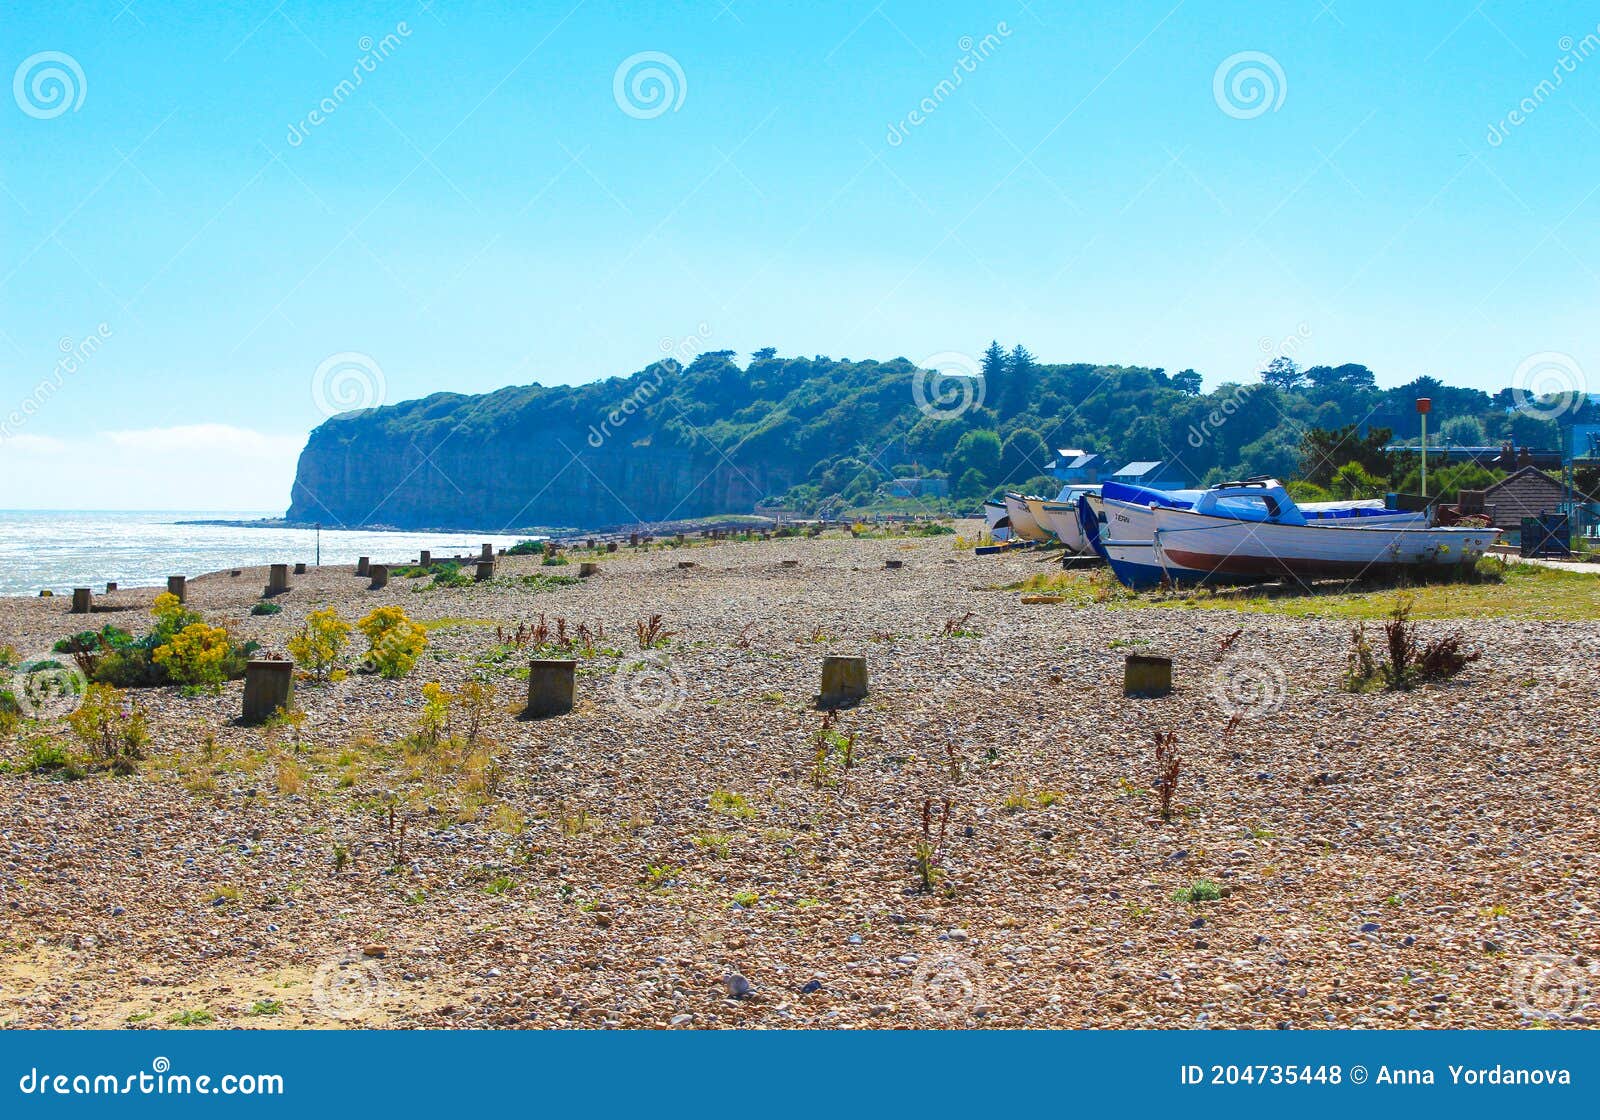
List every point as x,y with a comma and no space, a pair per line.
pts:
61,549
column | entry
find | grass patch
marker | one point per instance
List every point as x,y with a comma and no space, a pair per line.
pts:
1201,890
198,1017
1525,591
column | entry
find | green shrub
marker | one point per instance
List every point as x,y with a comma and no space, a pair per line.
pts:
10,713
553,561
46,757
1201,890
115,734
449,574
526,548
266,608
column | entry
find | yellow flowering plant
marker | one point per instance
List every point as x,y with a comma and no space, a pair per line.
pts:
196,656
320,642
394,642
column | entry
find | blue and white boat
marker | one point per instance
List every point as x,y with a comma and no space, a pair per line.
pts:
1122,526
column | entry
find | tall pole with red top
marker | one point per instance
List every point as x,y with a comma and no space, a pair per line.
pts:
1424,406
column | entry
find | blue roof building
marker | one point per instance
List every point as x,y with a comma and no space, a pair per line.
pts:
1158,474
1074,465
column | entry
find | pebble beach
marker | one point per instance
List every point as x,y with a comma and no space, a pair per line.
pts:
979,845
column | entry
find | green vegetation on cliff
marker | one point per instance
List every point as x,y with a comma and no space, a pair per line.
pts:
714,437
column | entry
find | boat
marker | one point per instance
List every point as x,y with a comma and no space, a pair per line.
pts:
996,521
1061,517
1254,530
1121,525
1023,523
1131,560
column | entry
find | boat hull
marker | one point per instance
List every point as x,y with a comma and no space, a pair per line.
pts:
1220,546
1062,519
996,520
1023,523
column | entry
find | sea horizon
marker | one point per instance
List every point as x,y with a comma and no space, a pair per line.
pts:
59,549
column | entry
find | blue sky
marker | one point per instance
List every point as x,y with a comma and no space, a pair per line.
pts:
483,210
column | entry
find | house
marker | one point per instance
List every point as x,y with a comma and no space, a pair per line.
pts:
1157,475
917,488
1527,493
1075,465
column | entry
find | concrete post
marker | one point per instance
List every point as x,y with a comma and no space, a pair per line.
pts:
552,685
1146,676
277,579
268,686
844,681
